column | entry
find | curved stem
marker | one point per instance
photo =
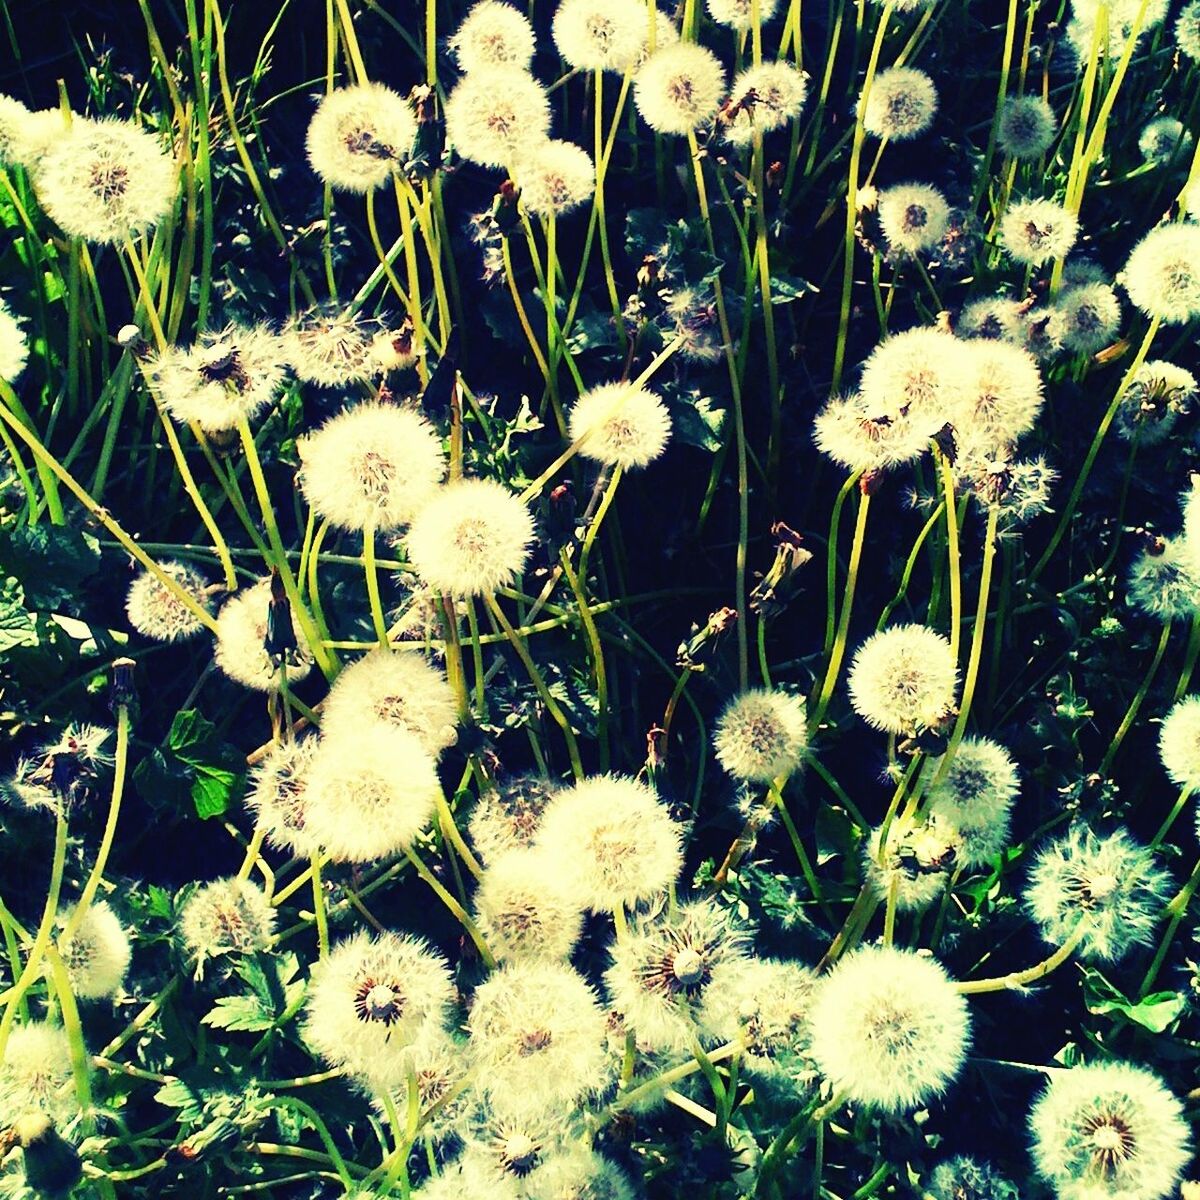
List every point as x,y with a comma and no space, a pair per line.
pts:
1136,703
1019,979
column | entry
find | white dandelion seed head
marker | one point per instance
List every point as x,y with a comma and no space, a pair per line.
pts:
1187,30
1157,395
1109,885
555,177
493,34
1179,743
226,916
1002,393
975,797
1162,582
903,678
764,98
995,318
760,734
578,1174
1034,231
1109,1130
105,181
916,862
359,135
1162,139
472,538
916,377
1042,331
861,439
157,612
370,792
1162,274
25,135
665,34
36,1074
14,346
901,105
97,954
615,839
913,217
889,1030
625,426
679,88
964,1178
739,14
526,910
1091,314
372,466
507,815
601,35
504,1145
372,998
329,347
1120,17
661,973
240,651
1027,127
495,115
278,795
393,350
440,1066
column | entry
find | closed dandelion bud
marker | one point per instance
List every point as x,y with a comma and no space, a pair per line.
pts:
156,612
614,840
280,639
1109,1131
600,35
1027,127
578,1174
105,181
913,217
975,797
679,88
122,691
493,34
662,972
761,734
1157,395
761,99
372,998
963,1178
1091,314
889,1030
994,318
863,438
36,1074
739,14
701,647
1179,743
903,679
1187,30
1162,139
537,1037
97,954
14,348
555,178
623,425
278,795
1162,275
507,815
227,916
52,1165
914,379
525,910
901,104
471,539
778,587
916,863
371,791
1035,231
1162,581
1106,887
497,114
359,135
329,348
241,647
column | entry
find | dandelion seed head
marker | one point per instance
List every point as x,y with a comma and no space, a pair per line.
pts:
1162,582
25,135
493,34
36,1074
861,439
995,318
625,426
761,734
495,115
505,1145
507,815
240,651
1187,30
1027,127
975,797
555,177
916,862
916,377
964,1178
764,98
1042,331
600,35
913,217
440,1066
97,954
578,1174
329,347
901,105
1034,231
1002,395
157,612
1179,743
1162,275
226,916
679,88
1157,395
1162,139
278,794
1091,314
14,346
359,135
739,14
903,678
525,909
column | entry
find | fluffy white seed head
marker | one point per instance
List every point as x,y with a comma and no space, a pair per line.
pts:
1157,395
1091,315
504,1146
1034,231
1162,581
1001,393
157,612
1163,139
903,679
901,104
227,916
439,1064
240,650
36,1074
507,815
761,734
97,954
526,909
888,1028
679,88
1120,17
600,35
614,839
1179,743
860,437
1187,30
739,14
913,217
278,794
996,318
555,177
26,136
472,537
330,348
915,863
359,135
625,426
493,34
963,1178
1109,1130
578,1174
496,115
916,378
14,347
763,98
1027,127
975,796
1162,275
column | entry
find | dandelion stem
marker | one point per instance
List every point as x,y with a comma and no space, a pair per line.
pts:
1181,800
1019,979
453,905
372,575
1136,703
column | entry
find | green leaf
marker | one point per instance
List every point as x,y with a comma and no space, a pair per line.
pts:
195,763
52,562
240,1013
17,626
181,1095
786,288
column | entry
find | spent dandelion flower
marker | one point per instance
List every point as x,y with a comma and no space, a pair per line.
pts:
861,438
679,88
1179,743
994,318
36,1073
975,797
495,115
1026,126
624,425
1034,231
761,734
507,815
1021,489
739,14
493,34
359,135
903,679
278,794
1091,314
1162,139
763,98
241,651
1162,274
97,953
226,916
901,104
63,770
329,347
965,1178
157,612
555,177
1162,581
1159,393
913,217
14,346
526,910
600,35
915,863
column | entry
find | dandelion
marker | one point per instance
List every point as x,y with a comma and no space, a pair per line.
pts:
679,88
359,135
470,1177
903,679
1109,1130
1002,394
493,34
26,136
761,734
1108,888
1162,581
661,973
975,796
370,791
507,815
537,1037
156,612
495,115
739,14
996,318
370,999
278,794
578,1174
963,1178
613,839
1162,139
555,177
1091,314
600,35
913,217
1034,231
763,98
1187,30
504,1146
916,862
525,910
471,539
63,771
227,916
1179,743
440,1066
624,426
1157,395
14,348
105,181
1042,331
240,650
373,467
901,104
394,350
916,378
97,954
1162,275
329,347
889,1030
864,439
1026,127
1021,490
36,1073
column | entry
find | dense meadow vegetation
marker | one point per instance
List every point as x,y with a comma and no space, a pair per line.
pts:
598,600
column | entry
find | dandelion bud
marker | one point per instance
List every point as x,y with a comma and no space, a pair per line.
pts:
280,639
701,647
1027,127
761,99
123,691
777,588
493,34
600,35
129,337
1162,275
526,910
761,734
241,647
1037,230
679,88
227,916
359,135
903,679
624,426
97,954
496,114
913,217
901,104
36,1074
52,1165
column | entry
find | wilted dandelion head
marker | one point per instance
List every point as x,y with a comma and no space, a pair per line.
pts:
507,814
963,1178
679,88
614,839
105,181
888,1028
471,538
1157,395
915,863
493,34
862,438
1162,275
330,347
1001,395
661,973
227,916
763,98
578,1174
359,135
1187,30
371,998
36,1074
496,115
373,467
14,347
241,651
96,954
278,794
537,1037
995,318
157,612
760,734
1034,231
913,217
625,426
526,910
903,679
1026,127
371,790
555,177
1162,581
1108,886
600,35
1179,743
1091,314
1109,1129
1162,139
901,104
63,770
915,377
739,14
975,797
